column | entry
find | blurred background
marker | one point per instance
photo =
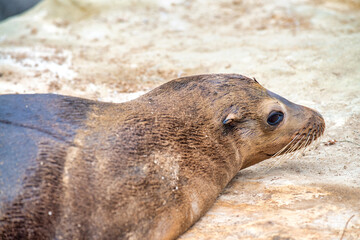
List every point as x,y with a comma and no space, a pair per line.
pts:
306,51
13,7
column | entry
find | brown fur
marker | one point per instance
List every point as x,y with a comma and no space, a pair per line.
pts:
148,168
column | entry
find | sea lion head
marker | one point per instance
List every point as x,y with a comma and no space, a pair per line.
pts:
264,124
237,112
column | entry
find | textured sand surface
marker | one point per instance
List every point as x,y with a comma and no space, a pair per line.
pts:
307,51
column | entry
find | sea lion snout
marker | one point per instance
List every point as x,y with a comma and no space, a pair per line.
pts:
282,127
316,118
303,124
314,127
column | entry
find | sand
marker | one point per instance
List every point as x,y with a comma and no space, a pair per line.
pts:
307,51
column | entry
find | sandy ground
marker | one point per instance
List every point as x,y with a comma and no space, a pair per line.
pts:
306,51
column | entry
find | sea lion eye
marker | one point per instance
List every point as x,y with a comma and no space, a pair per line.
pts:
275,118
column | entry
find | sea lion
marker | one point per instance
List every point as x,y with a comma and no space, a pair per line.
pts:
149,168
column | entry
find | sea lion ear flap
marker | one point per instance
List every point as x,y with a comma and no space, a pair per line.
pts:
229,118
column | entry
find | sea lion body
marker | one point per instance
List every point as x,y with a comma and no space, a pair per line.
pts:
73,168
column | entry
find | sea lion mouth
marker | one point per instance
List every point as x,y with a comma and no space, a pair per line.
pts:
302,139
269,154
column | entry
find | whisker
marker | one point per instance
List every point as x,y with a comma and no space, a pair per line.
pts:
311,138
301,140
296,145
302,146
287,150
283,149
